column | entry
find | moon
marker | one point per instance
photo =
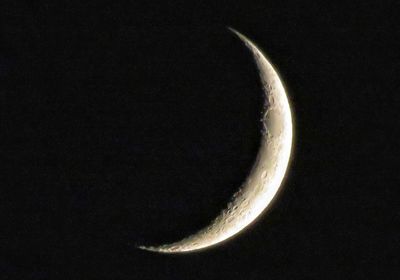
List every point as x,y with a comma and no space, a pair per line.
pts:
267,173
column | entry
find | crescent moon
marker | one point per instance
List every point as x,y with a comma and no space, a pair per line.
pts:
266,175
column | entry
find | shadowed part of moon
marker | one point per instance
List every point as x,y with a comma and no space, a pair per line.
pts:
266,175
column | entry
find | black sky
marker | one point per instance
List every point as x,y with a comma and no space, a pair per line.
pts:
125,123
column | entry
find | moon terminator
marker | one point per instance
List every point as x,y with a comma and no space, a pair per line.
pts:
266,175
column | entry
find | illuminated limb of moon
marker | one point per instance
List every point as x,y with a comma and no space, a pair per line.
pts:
266,175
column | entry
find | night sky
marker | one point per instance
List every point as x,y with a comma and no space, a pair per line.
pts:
131,122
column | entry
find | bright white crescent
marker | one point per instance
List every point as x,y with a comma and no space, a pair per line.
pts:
266,175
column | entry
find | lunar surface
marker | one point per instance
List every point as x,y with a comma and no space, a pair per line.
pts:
266,175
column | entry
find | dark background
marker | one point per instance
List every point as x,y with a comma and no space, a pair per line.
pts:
131,122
